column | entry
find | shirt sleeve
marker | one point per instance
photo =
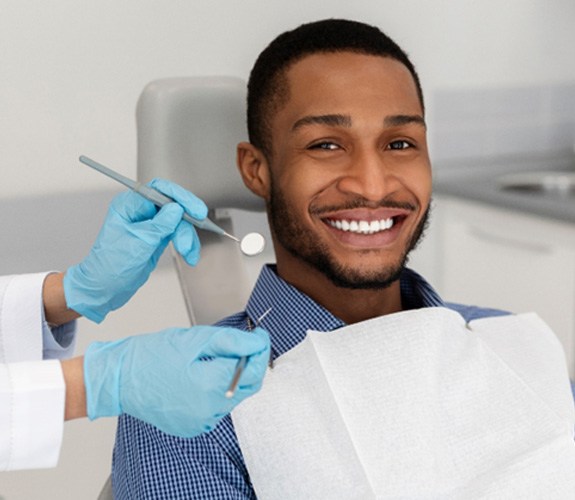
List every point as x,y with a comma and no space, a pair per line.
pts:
58,342
32,397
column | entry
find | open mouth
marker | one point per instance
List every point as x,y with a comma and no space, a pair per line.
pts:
364,226
367,228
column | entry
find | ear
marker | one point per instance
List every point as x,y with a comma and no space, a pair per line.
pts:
254,169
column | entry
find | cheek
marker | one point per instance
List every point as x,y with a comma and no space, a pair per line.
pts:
420,184
288,189
426,185
301,187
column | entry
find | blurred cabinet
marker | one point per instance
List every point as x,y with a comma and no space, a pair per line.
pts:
499,258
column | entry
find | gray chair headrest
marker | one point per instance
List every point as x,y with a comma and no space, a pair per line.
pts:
188,129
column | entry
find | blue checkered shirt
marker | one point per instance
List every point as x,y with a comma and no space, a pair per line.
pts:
149,464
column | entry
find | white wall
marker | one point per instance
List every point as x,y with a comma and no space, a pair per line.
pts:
72,70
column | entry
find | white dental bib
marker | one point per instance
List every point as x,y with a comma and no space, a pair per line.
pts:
415,405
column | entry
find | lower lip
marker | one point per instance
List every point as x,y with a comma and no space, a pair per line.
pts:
368,241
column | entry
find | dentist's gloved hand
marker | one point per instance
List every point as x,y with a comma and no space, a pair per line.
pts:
128,247
160,378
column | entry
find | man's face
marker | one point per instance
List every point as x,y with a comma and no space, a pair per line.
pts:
349,171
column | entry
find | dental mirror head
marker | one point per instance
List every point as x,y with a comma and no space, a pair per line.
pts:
252,244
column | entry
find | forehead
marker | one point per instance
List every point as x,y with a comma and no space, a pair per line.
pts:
344,81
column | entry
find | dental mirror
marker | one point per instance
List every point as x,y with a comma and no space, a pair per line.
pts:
252,244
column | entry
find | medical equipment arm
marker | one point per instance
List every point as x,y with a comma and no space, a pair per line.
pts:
176,379
128,247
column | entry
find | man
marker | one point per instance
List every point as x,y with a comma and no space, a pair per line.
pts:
162,378
338,151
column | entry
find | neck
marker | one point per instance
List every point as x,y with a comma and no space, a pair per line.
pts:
349,305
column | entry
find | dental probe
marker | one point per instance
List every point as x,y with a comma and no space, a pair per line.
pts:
242,364
157,198
251,244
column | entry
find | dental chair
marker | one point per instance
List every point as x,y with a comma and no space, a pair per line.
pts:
187,130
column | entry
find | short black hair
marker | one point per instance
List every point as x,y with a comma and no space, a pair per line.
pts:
267,85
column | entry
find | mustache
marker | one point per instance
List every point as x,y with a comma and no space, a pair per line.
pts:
362,203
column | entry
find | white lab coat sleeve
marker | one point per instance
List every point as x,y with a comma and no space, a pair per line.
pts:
24,334
32,391
32,398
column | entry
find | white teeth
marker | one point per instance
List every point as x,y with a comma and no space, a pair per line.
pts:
362,226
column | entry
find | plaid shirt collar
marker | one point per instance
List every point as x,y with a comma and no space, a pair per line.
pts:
293,313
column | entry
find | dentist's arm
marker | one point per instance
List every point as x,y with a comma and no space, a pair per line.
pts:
130,242
162,378
56,310
175,380
73,371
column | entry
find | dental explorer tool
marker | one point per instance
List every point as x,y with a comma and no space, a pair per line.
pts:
250,245
242,363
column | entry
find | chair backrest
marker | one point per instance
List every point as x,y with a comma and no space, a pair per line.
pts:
188,129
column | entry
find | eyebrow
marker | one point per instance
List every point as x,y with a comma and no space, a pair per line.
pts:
330,120
345,121
398,120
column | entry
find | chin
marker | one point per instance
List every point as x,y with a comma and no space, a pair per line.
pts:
344,276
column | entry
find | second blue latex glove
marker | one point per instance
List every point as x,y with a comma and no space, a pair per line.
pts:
165,379
130,242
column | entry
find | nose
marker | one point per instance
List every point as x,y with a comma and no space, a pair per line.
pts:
367,175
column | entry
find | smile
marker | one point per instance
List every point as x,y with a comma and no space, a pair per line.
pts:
362,226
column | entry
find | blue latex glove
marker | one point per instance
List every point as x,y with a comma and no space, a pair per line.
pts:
128,247
160,378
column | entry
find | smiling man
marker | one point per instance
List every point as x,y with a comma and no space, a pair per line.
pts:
338,151
346,178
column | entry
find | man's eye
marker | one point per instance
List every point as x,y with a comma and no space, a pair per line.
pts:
400,145
330,146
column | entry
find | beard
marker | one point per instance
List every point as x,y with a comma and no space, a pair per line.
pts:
300,243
